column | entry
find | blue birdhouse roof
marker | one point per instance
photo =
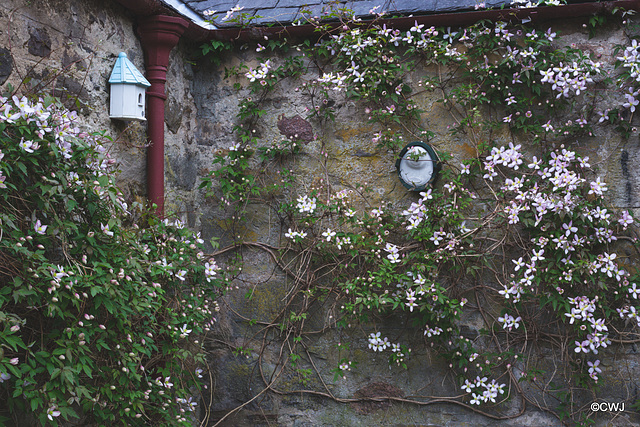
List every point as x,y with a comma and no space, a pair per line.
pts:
125,72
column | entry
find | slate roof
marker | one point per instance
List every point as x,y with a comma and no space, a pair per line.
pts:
286,12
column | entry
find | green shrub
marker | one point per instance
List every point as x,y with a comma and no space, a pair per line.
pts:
101,304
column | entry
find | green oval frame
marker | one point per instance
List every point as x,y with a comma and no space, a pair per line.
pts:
436,167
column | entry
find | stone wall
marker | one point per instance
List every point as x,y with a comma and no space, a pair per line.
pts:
73,46
69,49
244,357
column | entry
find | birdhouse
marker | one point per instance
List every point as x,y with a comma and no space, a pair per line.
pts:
128,87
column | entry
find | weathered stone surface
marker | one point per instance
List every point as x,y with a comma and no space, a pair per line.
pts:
73,94
183,170
6,65
173,114
375,390
72,59
628,180
39,42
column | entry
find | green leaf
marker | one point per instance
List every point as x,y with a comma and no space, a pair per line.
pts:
22,167
87,370
35,403
56,373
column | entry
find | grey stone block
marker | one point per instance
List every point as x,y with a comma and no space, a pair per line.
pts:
39,42
6,64
185,170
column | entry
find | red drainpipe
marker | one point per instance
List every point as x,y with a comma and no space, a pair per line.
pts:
158,34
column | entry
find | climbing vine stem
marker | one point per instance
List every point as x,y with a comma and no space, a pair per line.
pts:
520,232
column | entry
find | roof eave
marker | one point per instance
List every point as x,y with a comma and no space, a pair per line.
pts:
189,14
198,33
459,19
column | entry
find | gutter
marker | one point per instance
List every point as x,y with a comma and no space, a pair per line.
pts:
189,13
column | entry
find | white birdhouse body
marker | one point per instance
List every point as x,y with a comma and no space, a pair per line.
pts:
128,88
